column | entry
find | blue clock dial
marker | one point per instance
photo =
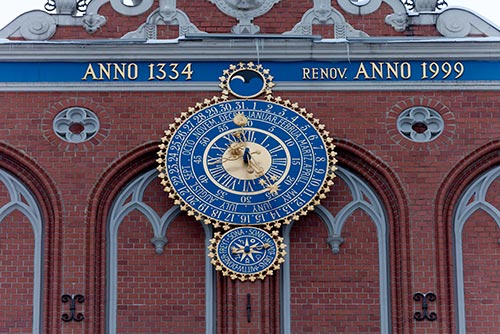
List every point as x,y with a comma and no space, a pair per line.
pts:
246,253
247,250
247,162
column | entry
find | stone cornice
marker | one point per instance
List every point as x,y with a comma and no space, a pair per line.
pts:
256,48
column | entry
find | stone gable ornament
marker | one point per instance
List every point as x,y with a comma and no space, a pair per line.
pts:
244,11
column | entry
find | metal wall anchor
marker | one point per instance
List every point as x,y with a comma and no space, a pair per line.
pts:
425,297
73,316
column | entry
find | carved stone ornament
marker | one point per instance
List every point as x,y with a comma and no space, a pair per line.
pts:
321,14
359,7
425,5
245,11
65,6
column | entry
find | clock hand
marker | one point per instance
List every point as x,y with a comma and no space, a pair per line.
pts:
259,247
235,152
237,148
252,164
247,155
249,249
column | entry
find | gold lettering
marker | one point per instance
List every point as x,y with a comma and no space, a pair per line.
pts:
315,73
377,69
392,69
187,71
120,71
173,69
342,73
405,70
133,71
104,70
362,71
306,73
324,73
90,71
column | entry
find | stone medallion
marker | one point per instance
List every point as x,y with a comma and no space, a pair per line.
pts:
244,11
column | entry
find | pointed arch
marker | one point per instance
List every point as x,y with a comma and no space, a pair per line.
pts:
472,201
33,194
363,198
131,199
119,192
470,177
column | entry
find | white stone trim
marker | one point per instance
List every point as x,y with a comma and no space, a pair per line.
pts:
23,201
35,25
473,200
142,7
322,14
130,199
365,199
363,8
462,22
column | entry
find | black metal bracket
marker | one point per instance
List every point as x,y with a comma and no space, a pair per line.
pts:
73,316
425,298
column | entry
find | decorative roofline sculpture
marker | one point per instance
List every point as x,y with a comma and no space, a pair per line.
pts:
454,22
245,11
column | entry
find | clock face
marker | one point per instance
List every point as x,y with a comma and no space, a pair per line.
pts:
247,250
246,162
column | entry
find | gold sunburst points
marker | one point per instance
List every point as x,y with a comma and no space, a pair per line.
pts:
330,148
162,161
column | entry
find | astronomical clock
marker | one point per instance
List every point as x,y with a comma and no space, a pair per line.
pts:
246,162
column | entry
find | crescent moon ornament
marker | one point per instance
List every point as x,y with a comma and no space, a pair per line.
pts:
246,81
239,77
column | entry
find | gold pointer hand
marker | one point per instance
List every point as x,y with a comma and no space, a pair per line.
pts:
235,150
248,251
246,248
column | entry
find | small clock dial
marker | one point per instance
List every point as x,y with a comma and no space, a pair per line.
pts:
247,250
247,253
247,162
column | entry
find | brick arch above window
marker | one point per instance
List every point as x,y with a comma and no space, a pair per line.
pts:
461,177
473,200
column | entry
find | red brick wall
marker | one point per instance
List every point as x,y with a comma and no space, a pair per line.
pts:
481,262
16,272
336,293
363,122
156,292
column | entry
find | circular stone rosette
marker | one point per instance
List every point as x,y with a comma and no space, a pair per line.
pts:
247,253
